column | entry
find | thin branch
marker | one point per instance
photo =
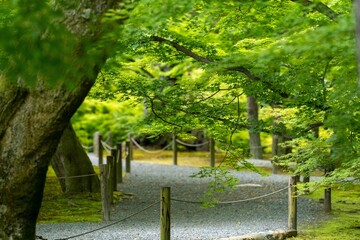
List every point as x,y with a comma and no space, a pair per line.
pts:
181,49
146,72
159,117
207,98
232,132
319,7
245,71
313,126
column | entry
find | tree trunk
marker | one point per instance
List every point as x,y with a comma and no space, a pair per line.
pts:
70,159
254,134
32,120
277,140
277,150
26,147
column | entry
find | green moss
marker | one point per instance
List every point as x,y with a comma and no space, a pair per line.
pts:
344,223
60,207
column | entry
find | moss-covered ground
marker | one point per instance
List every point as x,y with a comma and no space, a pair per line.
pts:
344,220
59,207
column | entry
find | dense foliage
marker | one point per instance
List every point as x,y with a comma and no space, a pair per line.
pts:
192,63
116,118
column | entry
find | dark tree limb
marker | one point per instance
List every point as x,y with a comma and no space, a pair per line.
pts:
199,58
182,49
319,7
313,126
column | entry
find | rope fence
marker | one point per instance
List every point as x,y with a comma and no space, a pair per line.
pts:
192,145
106,146
111,224
111,171
149,151
235,201
89,148
79,176
253,147
103,145
165,210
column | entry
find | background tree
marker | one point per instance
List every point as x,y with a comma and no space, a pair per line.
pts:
70,160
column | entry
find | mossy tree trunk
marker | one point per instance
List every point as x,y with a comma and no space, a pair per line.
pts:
71,160
33,118
26,147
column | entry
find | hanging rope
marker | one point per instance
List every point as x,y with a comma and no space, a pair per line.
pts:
106,146
255,147
88,147
79,176
232,202
148,151
109,225
191,145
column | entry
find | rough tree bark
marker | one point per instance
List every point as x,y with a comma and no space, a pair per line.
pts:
32,120
70,159
254,135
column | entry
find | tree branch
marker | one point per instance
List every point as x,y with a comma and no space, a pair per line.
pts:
199,58
181,49
313,126
319,7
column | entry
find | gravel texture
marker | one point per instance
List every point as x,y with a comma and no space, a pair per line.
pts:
190,221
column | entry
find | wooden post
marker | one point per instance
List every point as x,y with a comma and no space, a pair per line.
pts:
165,214
119,163
104,176
114,173
327,200
100,150
131,147
327,195
292,214
110,163
127,159
96,143
110,138
212,152
175,152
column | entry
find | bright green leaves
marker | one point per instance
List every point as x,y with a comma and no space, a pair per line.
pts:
193,62
50,43
310,155
222,181
110,116
35,43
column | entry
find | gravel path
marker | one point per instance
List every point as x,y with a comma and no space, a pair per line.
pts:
189,221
